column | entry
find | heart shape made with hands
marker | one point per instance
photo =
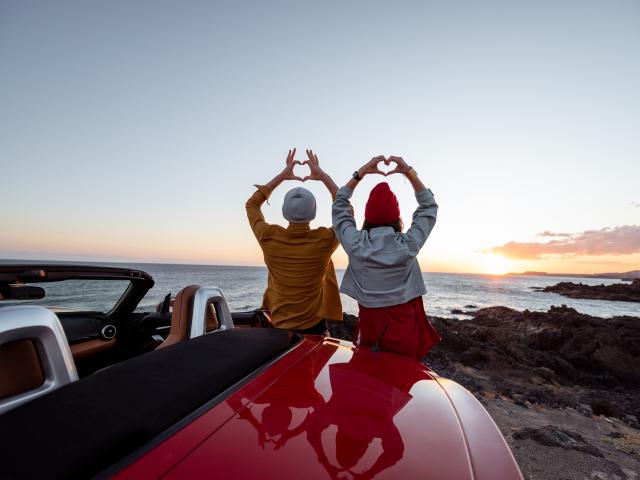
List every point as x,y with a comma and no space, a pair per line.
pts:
301,169
386,166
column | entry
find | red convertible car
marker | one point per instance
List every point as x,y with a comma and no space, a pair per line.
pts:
199,392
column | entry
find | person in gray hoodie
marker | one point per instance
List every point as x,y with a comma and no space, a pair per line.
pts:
383,274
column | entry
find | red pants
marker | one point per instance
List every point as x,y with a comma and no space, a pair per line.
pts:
408,331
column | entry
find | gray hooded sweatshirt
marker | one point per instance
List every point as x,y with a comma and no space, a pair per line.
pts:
383,269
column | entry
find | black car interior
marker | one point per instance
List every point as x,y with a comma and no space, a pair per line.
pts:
101,339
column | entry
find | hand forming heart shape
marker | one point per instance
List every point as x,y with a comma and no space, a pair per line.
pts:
315,172
386,168
401,165
373,166
300,172
287,173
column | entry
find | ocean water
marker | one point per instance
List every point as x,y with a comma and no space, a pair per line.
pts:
244,286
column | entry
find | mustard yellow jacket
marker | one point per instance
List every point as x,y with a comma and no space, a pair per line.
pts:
302,288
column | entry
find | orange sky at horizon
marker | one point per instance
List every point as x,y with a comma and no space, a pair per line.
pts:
228,240
122,248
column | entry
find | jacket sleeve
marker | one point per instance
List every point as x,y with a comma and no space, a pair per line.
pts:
254,213
424,218
333,238
344,223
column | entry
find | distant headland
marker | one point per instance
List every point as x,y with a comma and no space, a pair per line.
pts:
631,275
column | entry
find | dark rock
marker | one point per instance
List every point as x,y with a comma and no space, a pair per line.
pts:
470,306
632,420
559,358
552,436
344,329
496,313
545,373
605,408
519,400
585,409
473,357
627,292
457,311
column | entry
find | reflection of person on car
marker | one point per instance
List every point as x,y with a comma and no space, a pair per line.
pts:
302,290
383,273
359,423
277,419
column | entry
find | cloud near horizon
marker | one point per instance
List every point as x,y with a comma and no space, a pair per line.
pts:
635,204
623,240
547,233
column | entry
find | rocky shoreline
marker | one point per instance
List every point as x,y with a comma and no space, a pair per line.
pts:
564,387
626,292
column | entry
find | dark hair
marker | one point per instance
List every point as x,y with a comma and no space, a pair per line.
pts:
396,225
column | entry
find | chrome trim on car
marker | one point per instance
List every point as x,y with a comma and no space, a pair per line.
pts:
27,322
202,298
108,332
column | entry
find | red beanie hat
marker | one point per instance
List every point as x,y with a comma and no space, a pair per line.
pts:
382,206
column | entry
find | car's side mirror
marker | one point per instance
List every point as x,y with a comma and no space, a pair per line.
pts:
21,292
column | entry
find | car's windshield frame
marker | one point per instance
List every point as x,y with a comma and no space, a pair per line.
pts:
40,274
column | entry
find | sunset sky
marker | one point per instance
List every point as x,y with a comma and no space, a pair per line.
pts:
135,130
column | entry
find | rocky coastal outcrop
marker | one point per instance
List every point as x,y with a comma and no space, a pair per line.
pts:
555,358
627,292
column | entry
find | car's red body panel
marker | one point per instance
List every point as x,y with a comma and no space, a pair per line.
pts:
327,410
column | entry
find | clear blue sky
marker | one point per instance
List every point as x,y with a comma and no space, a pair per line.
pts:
135,129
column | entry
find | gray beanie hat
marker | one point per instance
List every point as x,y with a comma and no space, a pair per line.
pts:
299,205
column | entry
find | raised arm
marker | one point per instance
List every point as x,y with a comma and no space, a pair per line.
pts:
318,174
424,218
287,173
254,204
407,171
371,167
344,223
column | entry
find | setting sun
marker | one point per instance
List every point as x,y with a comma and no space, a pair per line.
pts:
496,264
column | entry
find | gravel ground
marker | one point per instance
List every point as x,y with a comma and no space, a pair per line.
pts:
614,446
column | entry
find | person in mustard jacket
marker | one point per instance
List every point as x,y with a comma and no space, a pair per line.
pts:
302,289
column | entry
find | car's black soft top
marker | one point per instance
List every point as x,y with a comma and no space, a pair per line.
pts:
83,428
